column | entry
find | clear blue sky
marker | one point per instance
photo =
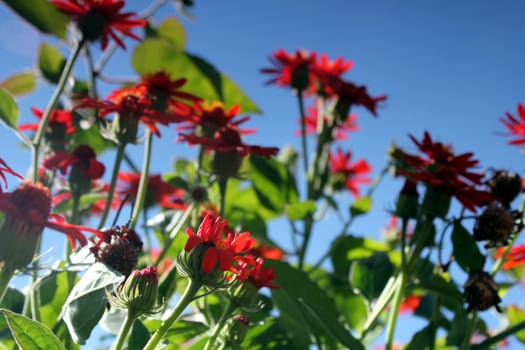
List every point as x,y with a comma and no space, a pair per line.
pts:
450,67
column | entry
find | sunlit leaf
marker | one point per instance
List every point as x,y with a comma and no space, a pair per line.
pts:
51,62
8,109
361,206
19,83
370,275
517,315
299,210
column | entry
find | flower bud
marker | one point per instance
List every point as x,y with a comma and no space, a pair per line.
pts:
494,225
235,331
481,292
505,186
138,294
436,201
244,294
26,213
126,124
407,204
226,164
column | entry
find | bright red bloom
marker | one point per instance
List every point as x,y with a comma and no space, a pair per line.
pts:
292,70
312,119
59,120
83,157
28,211
249,268
165,92
221,249
357,96
516,126
410,304
266,251
158,191
441,168
354,174
101,19
4,168
131,104
515,257
328,74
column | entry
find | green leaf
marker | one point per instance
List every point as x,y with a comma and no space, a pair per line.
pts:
53,289
86,303
272,182
19,83
422,339
172,31
51,62
354,307
361,206
42,15
371,274
516,316
466,251
273,334
458,331
203,79
13,300
29,334
8,109
307,309
138,337
299,210
180,332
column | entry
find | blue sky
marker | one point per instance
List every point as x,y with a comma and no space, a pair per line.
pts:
450,67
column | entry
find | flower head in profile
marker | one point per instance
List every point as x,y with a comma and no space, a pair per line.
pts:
446,171
101,19
516,126
294,70
328,74
4,168
60,121
27,211
515,257
159,192
220,249
267,252
250,268
351,175
350,94
341,129
82,158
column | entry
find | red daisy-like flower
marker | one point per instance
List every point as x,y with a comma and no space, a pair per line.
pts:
227,139
441,168
28,211
410,304
516,125
292,70
357,96
328,74
515,257
341,130
101,19
158,191
83,157
266,251
4,168
165,92
353,174
60,121
133,105
221,249
249,268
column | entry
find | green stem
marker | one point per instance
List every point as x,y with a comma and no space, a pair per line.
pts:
398,297
123,333
39,135
223,184
230,308
186,298
470,330
308,224
143,184
112,184
304,144
5,277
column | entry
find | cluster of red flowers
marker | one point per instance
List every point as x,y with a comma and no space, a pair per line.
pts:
312,121
450,173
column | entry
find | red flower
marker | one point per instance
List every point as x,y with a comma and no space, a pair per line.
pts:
410,304
28,211
443,169
158,191
354,174
249,268
220,249
266,251
59,121
328,74
165,92
357,96
4,168
132,105
83,157
312,119
101,19
515,257
292,70
516,126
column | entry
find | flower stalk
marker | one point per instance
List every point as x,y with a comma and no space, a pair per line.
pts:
143,184
230,308
116,167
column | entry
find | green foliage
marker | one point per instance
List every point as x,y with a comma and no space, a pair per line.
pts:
361,206
8,109
370,275
466,251
20,83
51,62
